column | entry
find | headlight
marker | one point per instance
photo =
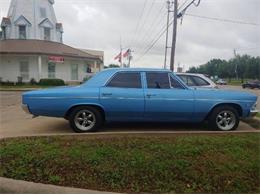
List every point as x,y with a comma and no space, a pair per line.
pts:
254,106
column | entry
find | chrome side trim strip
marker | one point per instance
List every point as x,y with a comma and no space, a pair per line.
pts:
80,97
153,98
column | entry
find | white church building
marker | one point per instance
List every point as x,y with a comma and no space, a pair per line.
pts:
31,46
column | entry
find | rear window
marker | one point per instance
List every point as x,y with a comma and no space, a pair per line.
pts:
199,81
188,80
126,80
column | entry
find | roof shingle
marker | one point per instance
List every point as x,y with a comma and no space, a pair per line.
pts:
40,47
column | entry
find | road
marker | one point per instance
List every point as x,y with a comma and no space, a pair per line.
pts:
14,122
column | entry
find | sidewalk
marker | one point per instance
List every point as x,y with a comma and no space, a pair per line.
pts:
19,89
11,186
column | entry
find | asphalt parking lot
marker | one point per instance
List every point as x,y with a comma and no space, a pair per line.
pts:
14,122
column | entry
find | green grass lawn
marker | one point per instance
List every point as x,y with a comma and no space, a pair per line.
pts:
138,163
235,82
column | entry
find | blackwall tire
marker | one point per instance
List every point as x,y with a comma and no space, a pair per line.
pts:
85,119
224,118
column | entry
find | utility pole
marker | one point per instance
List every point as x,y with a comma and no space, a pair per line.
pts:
129,57
167,32
175,15
178,14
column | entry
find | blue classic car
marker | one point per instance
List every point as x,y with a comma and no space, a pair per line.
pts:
140,95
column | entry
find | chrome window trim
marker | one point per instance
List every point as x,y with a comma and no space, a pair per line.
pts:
173,77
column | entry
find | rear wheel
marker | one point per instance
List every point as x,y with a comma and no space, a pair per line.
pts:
85,119
224,118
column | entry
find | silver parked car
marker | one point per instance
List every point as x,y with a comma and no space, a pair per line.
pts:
221,82
197,80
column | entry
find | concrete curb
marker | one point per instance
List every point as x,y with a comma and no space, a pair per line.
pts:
22,89
11,186
131,133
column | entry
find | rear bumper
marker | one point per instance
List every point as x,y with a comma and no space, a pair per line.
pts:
26,108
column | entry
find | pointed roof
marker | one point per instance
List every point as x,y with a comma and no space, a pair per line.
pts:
21,20
5,21
46,23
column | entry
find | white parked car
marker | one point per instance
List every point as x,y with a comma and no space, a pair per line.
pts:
221,82
197,80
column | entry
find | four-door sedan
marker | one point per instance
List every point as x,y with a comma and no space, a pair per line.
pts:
196,80
140,95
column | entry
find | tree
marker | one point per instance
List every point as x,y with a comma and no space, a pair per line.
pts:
112,66
245,65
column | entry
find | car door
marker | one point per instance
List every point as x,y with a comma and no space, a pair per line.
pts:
123,97
166,99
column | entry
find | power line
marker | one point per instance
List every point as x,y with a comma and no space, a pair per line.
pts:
154,41
150,29
223,20
179,7
143,24
249,48
139,20
149,33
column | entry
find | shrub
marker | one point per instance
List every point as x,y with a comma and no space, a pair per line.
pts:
8,83
33,81
19,80
52,82
86,78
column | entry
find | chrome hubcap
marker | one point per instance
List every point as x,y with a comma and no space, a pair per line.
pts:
85,120
226,120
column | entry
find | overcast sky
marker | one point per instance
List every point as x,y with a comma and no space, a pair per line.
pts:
99,24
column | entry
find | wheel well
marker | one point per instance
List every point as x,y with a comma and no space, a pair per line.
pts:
235,106
93,106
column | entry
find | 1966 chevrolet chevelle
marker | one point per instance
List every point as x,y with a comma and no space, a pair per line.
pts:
140,95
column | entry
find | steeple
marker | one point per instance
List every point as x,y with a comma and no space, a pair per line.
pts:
31,19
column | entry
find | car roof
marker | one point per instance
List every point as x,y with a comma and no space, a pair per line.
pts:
102,77
191,74
136,70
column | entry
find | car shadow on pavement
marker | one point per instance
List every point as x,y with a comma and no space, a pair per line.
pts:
152,126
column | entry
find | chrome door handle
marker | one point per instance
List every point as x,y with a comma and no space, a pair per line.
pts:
106,94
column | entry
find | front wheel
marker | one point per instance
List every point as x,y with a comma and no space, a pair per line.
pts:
85,119
224,118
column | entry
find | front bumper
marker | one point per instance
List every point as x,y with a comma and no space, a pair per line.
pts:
253,113
26,108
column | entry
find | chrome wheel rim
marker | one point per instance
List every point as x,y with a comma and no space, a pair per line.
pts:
226,120
85,120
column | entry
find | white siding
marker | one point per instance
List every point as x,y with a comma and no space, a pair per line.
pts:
10,68
30,9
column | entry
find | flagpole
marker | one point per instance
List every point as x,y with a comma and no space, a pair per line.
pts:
121,51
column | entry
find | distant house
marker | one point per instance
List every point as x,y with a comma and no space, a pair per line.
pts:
32,46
